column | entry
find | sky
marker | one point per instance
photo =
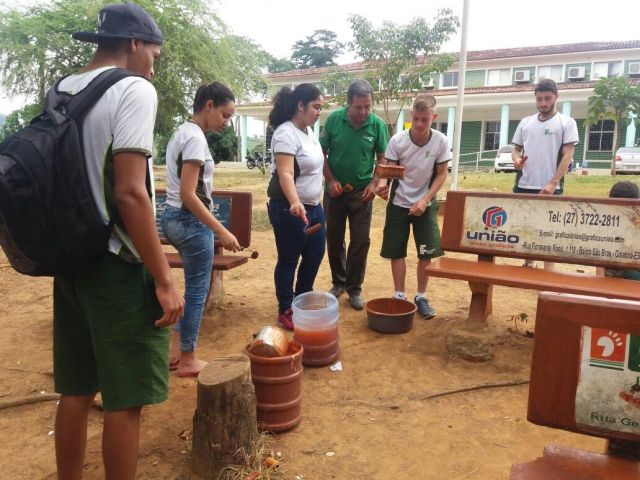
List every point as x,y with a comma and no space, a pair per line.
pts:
277,24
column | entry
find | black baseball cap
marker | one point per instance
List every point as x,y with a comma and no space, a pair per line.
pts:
123,20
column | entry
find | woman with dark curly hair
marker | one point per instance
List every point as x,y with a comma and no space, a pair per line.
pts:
294,193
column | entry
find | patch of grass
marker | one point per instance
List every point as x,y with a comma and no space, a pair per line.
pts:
256,183
576,185
254,461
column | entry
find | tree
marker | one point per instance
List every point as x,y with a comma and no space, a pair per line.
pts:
318,50
36,48
17,120
336,82
614,99
399,58
277,65
223,145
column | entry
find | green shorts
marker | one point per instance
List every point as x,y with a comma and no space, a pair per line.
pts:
426,232
104,337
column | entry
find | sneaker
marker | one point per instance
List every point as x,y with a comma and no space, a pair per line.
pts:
356,301
336,291
285,319
424,308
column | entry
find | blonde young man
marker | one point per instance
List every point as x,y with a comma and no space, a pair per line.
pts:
424,152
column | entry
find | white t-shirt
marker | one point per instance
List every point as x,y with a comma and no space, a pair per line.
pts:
542,143
419,162
122,120
307,151
188,139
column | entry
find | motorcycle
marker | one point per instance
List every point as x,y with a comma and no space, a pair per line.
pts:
257,161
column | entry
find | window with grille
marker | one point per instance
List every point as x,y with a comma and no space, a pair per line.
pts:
601,136
492,135
607,69
449,79
500,76
554,72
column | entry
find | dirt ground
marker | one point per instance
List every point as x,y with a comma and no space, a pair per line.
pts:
371,415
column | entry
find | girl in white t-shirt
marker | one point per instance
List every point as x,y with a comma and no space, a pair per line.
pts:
188,222
294,193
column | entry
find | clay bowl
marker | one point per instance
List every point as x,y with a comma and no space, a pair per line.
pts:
390,315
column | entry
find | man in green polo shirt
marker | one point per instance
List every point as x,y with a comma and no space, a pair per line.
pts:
352,140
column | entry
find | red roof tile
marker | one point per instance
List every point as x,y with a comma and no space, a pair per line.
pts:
493,54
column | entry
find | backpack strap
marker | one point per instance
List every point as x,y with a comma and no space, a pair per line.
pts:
60,105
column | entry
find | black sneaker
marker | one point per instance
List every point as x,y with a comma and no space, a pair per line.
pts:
424,308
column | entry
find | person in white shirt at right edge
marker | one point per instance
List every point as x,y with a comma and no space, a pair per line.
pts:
543,148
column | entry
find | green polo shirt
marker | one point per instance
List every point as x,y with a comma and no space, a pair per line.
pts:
352,151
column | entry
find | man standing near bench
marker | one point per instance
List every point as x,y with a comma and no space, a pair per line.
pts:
543,147
424,152
108,320
352,139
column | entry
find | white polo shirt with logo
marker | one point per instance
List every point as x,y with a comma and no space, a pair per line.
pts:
419,162
542,142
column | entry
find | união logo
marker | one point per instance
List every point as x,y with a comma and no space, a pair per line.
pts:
494,217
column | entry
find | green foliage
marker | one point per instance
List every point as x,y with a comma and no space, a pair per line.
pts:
613,99
401,58
36,48
223,145
277,65
18,119
336,82
318,50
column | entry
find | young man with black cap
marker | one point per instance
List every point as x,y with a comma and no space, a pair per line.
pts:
109,320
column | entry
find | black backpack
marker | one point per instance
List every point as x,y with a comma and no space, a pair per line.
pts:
49,221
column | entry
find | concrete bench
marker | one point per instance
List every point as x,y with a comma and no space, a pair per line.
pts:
584,371
233,210
601,232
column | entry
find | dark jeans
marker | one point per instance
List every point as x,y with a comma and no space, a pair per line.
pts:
348,266
292,243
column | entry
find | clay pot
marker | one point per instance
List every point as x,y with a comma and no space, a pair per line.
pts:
390,315
278,384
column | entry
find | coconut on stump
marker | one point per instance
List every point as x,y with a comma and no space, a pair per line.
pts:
225,416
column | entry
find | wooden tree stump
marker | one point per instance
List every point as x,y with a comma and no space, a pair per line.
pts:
225,416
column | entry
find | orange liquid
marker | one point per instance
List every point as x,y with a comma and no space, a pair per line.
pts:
320,346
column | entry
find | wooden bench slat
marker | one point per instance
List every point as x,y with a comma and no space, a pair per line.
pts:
533,278
220,262
561,463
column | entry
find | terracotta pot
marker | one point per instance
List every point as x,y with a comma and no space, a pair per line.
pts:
278,384
390,315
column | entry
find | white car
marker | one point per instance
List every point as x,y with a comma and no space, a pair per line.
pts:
503,161
628,160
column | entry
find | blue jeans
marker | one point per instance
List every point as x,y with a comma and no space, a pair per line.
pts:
194,242
292,243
